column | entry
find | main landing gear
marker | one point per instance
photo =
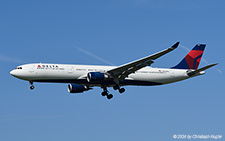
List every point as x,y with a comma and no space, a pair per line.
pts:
32,86
121,90
110,96
106,93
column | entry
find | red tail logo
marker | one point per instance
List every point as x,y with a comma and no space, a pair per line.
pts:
192,59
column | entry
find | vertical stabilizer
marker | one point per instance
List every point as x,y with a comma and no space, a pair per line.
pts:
192,59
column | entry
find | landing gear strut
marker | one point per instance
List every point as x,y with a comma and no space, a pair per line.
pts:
32,86
106,93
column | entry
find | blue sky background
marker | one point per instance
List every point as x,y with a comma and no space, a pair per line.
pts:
119,32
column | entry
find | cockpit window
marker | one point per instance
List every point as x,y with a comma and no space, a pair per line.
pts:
19,68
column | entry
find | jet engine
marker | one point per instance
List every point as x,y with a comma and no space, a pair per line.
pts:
76,88
97,77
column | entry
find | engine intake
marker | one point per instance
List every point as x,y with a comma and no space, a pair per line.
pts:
97,77
76,88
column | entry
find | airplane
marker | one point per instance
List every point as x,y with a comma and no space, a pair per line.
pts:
81,78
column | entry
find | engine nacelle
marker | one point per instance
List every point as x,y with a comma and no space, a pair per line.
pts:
76,88
97,77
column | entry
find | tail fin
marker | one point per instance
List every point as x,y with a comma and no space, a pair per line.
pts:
192,59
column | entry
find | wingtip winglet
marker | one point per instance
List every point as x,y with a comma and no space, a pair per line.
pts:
175,45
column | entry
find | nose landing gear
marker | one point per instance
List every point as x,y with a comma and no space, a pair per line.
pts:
32,86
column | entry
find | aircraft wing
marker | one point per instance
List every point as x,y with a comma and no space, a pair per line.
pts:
123,71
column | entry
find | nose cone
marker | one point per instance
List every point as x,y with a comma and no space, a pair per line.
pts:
13,73
16,73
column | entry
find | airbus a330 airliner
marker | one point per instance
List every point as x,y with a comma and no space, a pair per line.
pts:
83,77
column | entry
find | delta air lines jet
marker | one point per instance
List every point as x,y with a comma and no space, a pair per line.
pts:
84,77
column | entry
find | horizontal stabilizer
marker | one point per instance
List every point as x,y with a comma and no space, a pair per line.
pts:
198,71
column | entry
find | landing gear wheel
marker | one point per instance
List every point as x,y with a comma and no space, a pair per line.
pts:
109,96
104,93
116,87
31,87
122,90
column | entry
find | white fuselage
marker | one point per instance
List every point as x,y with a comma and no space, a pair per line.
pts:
62,73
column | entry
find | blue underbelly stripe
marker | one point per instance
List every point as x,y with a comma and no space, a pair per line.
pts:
84,81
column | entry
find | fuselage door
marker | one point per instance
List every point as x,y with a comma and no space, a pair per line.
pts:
172,75
71,70
31,69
